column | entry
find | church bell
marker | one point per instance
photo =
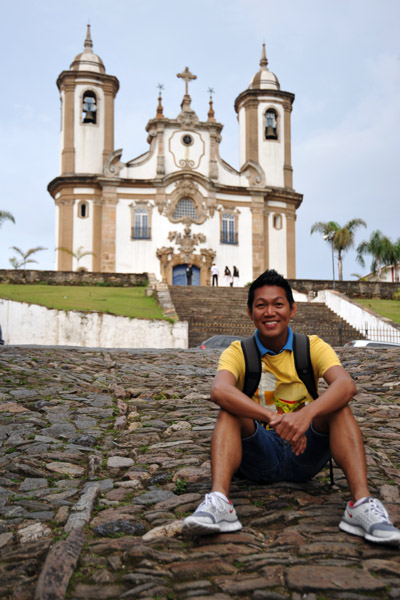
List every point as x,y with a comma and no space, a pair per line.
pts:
270,133
90,117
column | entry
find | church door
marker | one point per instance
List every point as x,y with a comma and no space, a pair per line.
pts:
179,275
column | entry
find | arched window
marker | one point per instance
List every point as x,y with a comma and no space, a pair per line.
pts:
228,232
185,208
141,229
83,210
277,221
271,124
89,107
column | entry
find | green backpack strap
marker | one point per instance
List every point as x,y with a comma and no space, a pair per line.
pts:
252,360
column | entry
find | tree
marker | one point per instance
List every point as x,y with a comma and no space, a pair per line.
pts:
392,256
78,254
378,246
15,263
343,237
23,257
4,216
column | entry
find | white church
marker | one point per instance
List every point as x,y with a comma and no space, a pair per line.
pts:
179,202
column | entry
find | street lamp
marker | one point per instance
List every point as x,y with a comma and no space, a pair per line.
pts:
331,236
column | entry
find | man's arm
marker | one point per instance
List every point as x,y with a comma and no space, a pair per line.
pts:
341,389
229,398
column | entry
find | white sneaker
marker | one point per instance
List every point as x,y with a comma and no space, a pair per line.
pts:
370,520
213,515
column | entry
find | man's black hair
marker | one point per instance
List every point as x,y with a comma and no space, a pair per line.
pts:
270,277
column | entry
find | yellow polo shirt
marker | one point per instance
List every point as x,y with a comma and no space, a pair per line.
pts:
280,388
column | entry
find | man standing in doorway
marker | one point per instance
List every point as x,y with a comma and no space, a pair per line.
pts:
189,274
214,273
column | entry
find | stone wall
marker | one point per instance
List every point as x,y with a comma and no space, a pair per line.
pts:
19,276
352,289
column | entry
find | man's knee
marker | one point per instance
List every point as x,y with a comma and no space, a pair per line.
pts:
342,416
228,421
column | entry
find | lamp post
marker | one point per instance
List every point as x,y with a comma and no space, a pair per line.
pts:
331,236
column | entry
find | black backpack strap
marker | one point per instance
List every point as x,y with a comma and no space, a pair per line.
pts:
252,360
302,362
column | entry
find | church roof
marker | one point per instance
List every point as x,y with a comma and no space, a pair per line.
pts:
264,79
88,60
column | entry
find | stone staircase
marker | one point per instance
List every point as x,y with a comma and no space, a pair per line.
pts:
211,311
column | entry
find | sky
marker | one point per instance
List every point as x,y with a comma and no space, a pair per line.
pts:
340,58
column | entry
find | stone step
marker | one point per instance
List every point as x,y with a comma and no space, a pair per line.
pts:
213,311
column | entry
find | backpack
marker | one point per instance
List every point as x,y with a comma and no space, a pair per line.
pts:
302,363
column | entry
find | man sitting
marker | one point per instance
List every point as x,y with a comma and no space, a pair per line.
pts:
282,434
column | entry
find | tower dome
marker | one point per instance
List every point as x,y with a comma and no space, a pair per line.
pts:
264,79
88,60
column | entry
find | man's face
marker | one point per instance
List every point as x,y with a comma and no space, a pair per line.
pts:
271,314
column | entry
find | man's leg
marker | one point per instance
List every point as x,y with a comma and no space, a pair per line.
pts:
364,516
226,449
216,513
347,448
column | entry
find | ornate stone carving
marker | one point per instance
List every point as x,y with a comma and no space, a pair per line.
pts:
186,242
113,164
186,188
254,173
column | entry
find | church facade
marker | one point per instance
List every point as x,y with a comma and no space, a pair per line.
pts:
179,202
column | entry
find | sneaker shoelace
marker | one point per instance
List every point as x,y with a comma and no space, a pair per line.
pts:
215,501
377,511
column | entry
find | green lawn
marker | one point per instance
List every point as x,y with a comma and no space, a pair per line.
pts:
128,302
386,308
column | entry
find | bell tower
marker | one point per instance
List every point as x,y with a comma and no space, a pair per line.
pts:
264,112
87,113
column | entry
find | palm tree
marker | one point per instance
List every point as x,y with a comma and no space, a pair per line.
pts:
78,254
5,215
15,263
378,247
342,238
24,256
392,256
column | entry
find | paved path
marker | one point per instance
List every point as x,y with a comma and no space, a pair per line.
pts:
102,453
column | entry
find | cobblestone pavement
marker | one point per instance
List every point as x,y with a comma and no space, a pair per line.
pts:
103,453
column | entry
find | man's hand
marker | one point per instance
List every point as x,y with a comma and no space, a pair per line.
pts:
292,427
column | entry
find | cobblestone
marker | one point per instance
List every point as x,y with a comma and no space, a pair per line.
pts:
103,453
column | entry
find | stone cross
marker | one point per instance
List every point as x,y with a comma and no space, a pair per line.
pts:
187,76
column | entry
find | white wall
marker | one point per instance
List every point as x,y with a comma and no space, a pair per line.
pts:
364,320
89,137
32,324
271,152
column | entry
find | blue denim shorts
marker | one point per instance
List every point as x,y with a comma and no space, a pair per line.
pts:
267,458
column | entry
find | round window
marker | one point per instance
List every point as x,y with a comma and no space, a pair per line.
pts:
187,140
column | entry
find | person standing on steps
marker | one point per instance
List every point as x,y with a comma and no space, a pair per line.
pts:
227,275
235,276
189,274
282,434
214,273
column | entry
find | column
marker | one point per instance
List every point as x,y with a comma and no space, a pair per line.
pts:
108,229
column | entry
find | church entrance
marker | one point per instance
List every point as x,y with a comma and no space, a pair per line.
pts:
179,275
